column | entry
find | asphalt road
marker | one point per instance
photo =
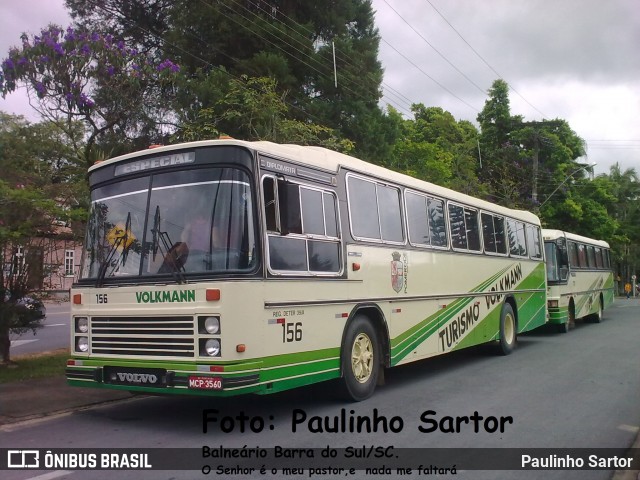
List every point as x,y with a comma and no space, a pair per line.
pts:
575,390
53,335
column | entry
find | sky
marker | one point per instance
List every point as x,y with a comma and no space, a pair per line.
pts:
576,60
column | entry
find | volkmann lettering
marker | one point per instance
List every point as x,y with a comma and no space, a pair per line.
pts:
175,296
508,282
465,321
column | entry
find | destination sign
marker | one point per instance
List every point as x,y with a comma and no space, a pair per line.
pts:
168,160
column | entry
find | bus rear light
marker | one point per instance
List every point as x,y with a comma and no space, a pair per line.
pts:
241,347
216,368
77,299
355,266
213,294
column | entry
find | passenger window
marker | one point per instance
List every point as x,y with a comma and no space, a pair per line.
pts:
591,257
533,240
270,207
417,219
488,233
501,236
330,216
582,256
465,230
456,224
390,214
573,255
363,208
517,242
437,223
312,211
473,229
599,262
306,215
375,211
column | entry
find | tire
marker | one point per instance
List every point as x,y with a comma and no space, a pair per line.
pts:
508,330
571,320
563,327
597,317
360,359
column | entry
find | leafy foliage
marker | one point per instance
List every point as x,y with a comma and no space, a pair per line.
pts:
265,71
27,209
74,75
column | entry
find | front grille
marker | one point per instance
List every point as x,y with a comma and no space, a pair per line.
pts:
140,336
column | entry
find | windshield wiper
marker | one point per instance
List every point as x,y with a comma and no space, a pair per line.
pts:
122,240
162,242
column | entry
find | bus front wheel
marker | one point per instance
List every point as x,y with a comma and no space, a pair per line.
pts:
360,359
508,330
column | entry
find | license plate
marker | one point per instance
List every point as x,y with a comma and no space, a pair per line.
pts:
205,383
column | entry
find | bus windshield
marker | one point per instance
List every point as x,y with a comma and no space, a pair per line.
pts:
176,223
551,261
556,261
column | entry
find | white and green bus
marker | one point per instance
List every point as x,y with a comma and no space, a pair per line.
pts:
579,278
227,267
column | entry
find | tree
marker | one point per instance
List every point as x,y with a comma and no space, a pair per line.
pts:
524,161
502,166
625,188
73,76
435,147
29,203
290,42
250,108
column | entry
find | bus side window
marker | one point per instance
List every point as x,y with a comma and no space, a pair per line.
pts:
517,242
457,227
488,233
563,259
270,204
533,240
289,203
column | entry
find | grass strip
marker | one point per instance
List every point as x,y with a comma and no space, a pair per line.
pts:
40,365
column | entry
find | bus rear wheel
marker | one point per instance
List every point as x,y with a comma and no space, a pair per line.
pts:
360,359
508,330
597,317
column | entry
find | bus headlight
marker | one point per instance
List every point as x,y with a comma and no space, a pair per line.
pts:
82,325
210,325
212,347
553,303
82,344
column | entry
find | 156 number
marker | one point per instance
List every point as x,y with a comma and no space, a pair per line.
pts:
291,332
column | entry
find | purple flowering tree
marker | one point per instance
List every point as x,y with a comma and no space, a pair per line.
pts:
70,76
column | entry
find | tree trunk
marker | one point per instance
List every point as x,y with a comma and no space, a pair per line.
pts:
5,346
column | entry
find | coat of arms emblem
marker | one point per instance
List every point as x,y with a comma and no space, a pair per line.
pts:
397,272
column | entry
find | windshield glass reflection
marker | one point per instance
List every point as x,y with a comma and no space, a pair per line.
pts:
195,221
